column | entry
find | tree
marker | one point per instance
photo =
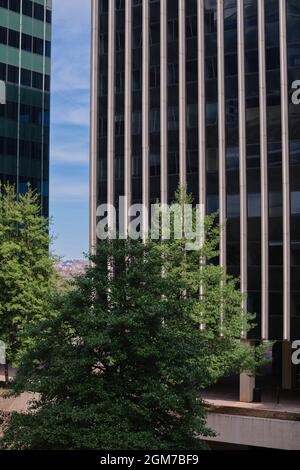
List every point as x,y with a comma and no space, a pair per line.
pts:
123,364
26,269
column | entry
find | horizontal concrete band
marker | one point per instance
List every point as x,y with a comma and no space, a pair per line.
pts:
255,432
29,61
11,19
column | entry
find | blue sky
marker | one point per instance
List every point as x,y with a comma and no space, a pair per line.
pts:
69,155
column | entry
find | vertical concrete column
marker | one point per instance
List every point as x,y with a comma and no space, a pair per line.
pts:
163,102
222,145
128,109
242,153
43,106
94,123
182,91
247,383
19,95
263,173
201,105
285,173
222,132
145,112
202,124
287,367
111,110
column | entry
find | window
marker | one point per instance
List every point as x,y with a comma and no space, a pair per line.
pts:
154,120
37,80
3,35
275,204
136,123
11,38
15,5
173,118
233,205
38,12
295,203
38,46
192,116
26,42
154,163
254,205
27,8
12,74
26,77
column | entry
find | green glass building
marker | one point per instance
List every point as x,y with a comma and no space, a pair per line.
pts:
25,50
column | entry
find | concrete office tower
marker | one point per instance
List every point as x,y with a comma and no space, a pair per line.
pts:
25,49
199,92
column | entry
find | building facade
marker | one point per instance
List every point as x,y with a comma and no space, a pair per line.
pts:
25,50
199,92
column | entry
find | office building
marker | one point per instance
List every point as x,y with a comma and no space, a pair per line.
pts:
25,50
202,93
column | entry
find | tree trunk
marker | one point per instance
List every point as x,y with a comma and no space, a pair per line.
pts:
6,373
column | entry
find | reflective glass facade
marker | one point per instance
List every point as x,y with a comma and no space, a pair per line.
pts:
25,50
250,54
293,53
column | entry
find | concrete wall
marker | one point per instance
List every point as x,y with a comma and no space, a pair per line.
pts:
255,432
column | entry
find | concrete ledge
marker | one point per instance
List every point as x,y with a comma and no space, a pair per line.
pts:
255,431
254,412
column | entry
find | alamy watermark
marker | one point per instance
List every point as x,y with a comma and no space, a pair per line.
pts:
296,92
296,354
159,222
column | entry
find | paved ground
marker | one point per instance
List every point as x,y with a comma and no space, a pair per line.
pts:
19,404
226,397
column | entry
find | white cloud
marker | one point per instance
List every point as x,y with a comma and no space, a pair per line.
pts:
71,73
71,35
72,13
70,99
72,154
71,115
69,182
68,190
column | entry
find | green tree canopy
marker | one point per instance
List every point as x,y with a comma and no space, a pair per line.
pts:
26,269
123,363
